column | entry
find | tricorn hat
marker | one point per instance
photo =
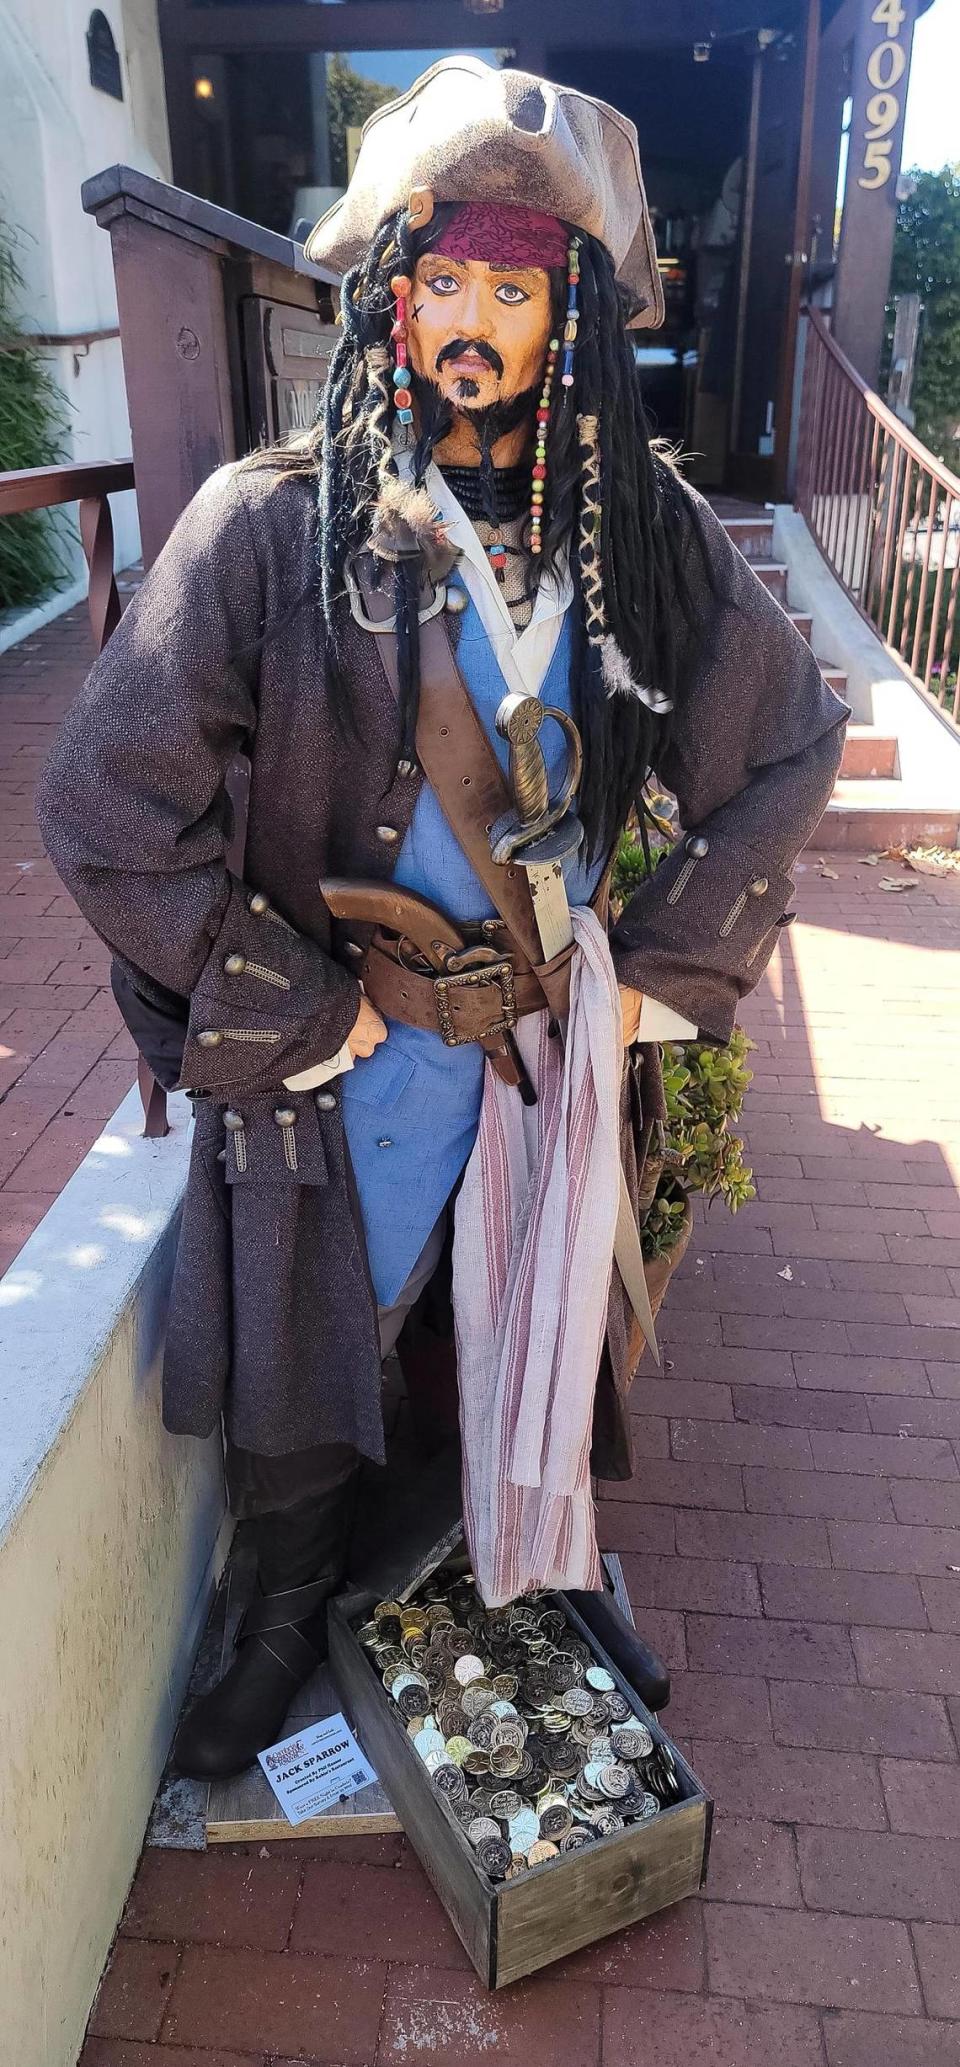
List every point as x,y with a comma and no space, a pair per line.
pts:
470,133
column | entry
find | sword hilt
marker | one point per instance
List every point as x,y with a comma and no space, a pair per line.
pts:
537,815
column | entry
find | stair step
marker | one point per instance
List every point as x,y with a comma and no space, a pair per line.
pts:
773,576
868,755
865,817
836,678
803,622
753,535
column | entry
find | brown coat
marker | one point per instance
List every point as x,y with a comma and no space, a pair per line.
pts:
272,1313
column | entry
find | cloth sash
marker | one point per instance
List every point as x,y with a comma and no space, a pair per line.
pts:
532,1261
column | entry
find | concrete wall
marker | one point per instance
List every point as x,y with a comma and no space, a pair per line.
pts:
111,1533
880,690
55,130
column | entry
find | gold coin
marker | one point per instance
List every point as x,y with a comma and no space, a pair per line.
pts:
542,1850
385,1608
459,1749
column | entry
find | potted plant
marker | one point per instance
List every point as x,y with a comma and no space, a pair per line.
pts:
704,1087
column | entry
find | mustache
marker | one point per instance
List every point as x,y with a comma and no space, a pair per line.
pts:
457,346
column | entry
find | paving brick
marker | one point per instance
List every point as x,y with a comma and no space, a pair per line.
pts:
718,1704
893,1547
866,2041
792,1786
944,1380
740,1442
937,1946
927,1343
825,1495
770,1650
889,1415
878,1873
439,2022
124,2052
922,1798
682,1485
673,1395
893,1456
941,1599
359,1912
781,1955
752,1861
326,2009
135,1990
210,1898
784,1331
778,1407
631,1525
909,1660
888,1600
861,1374
862,1719
780,1539
689,2031
921,1500
685,1582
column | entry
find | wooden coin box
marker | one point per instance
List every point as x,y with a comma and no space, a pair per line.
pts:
514,1927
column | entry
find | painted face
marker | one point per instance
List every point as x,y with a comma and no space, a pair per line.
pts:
479,332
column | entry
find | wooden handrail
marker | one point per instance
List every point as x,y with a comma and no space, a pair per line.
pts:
43,488
881,411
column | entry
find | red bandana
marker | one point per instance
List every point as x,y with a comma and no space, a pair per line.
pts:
504,236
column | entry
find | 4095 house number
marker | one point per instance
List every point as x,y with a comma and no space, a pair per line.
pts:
886,65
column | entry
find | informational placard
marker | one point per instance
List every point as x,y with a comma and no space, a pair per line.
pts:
319,1765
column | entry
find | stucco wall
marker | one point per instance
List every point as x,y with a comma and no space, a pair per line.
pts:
110,1534
55,130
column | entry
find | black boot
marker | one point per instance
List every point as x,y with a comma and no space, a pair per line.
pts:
645,1672
301,1559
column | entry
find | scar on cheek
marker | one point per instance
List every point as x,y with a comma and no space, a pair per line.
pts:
415,311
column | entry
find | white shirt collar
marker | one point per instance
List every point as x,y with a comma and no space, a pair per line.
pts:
524,656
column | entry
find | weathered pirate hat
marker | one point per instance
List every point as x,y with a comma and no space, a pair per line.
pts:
470,133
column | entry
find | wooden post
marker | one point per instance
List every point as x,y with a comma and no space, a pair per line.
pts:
903,362
881,75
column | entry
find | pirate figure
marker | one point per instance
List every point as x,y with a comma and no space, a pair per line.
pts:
454,629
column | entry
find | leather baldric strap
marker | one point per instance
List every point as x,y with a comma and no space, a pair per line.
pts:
463,771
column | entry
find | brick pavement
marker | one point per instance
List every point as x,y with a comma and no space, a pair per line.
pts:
791,1540
66,1059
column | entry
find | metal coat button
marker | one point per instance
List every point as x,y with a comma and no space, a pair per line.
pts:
233,1121
387,833
457,600
385,1142
326,1101
759,886
352,947
209,1039
259,903
697,846
285,1116
235,965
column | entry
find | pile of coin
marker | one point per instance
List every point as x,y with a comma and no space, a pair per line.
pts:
534,1748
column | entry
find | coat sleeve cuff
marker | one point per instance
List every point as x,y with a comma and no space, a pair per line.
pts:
267,1003
699,933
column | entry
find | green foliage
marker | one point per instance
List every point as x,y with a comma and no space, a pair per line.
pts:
33,424
926,261
350,99
705,1088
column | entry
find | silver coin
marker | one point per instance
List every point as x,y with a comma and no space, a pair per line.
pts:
614,1780
482,1827
649,1806
523,1830
631,1740
467,1668
427,1740
598,1676
576,1701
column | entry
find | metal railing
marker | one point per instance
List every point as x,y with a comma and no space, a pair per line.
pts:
885,514
45,488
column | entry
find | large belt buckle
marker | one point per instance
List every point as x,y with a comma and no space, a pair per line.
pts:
476,969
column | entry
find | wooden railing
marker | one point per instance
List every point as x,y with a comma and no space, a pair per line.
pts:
885,514
45,488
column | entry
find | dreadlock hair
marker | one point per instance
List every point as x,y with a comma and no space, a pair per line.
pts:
613,503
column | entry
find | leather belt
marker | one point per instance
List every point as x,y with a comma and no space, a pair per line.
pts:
482,992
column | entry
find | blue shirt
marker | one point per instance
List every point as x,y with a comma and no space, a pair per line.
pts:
412,1108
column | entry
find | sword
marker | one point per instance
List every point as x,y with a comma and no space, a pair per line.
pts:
541,834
